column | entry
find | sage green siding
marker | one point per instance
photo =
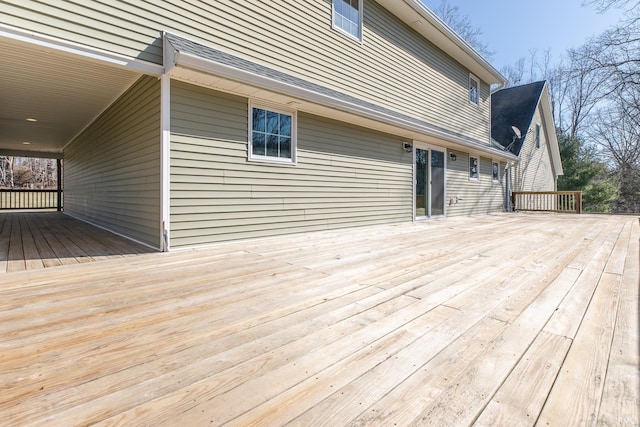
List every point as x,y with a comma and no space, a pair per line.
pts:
394,66
112,169
345,175
473,197
534,171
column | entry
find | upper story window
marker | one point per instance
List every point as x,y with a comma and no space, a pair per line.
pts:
538,136
272,135
347,17
474,168
474,90
495,171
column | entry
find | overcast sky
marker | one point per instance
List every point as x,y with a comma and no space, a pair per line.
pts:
513,28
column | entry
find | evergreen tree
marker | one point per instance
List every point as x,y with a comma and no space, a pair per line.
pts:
583,171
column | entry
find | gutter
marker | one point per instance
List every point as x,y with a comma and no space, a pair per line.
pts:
197,63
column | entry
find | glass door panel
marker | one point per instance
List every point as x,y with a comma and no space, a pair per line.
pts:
422,178
437,183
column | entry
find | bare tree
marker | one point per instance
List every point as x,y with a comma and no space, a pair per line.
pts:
603,5
538,65
617,51
515,73
462,25
28,172
587,86
617,133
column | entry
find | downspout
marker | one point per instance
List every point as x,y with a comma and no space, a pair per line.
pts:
165,150
165,85
507,189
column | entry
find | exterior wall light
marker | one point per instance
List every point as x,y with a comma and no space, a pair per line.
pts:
453,157
407,147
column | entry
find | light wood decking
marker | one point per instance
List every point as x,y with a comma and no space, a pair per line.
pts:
501,320
34,240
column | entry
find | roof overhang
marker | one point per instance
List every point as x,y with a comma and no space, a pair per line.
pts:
192,62
422,20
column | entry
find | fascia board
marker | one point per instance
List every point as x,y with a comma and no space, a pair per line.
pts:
426,23
135,64
554,146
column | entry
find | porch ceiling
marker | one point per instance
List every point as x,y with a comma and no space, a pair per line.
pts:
64,92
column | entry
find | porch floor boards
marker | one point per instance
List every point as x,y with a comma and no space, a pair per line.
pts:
499,320
35,240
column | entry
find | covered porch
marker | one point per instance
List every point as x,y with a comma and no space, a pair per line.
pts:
516,319
36,240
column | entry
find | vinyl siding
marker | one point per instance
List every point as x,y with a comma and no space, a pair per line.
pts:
394,66
345,175
112,169
473,197
534,171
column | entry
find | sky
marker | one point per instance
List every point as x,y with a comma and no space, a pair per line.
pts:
512,29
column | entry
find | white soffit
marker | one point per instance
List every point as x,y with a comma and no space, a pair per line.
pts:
63,91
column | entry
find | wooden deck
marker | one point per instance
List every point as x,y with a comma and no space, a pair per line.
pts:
503,320
34,240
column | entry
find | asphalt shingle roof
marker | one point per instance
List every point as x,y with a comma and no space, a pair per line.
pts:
514,106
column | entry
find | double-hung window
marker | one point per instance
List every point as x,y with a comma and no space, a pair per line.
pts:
347,17
495,172
272,134
474,168
474,90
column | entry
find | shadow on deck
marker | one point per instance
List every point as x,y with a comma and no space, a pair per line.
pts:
35,240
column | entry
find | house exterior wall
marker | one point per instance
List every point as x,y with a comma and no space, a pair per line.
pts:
534,171
473,197
112,169
394,66
345,175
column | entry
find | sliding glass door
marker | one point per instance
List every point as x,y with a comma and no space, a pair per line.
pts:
429,172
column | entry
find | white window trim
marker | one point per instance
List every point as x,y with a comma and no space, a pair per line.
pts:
495,181
473,156
294,134
473,78
360,23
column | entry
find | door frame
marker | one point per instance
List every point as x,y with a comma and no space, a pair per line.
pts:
425,146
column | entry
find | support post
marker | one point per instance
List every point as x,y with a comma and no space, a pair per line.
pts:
59,173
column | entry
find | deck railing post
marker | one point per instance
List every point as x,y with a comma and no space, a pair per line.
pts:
578,201
59,173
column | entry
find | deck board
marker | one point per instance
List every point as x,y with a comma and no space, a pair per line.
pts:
36,240
577,392
493,320
620,401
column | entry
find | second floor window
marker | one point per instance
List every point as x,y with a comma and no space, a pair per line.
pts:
537,136
474,90
347,17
